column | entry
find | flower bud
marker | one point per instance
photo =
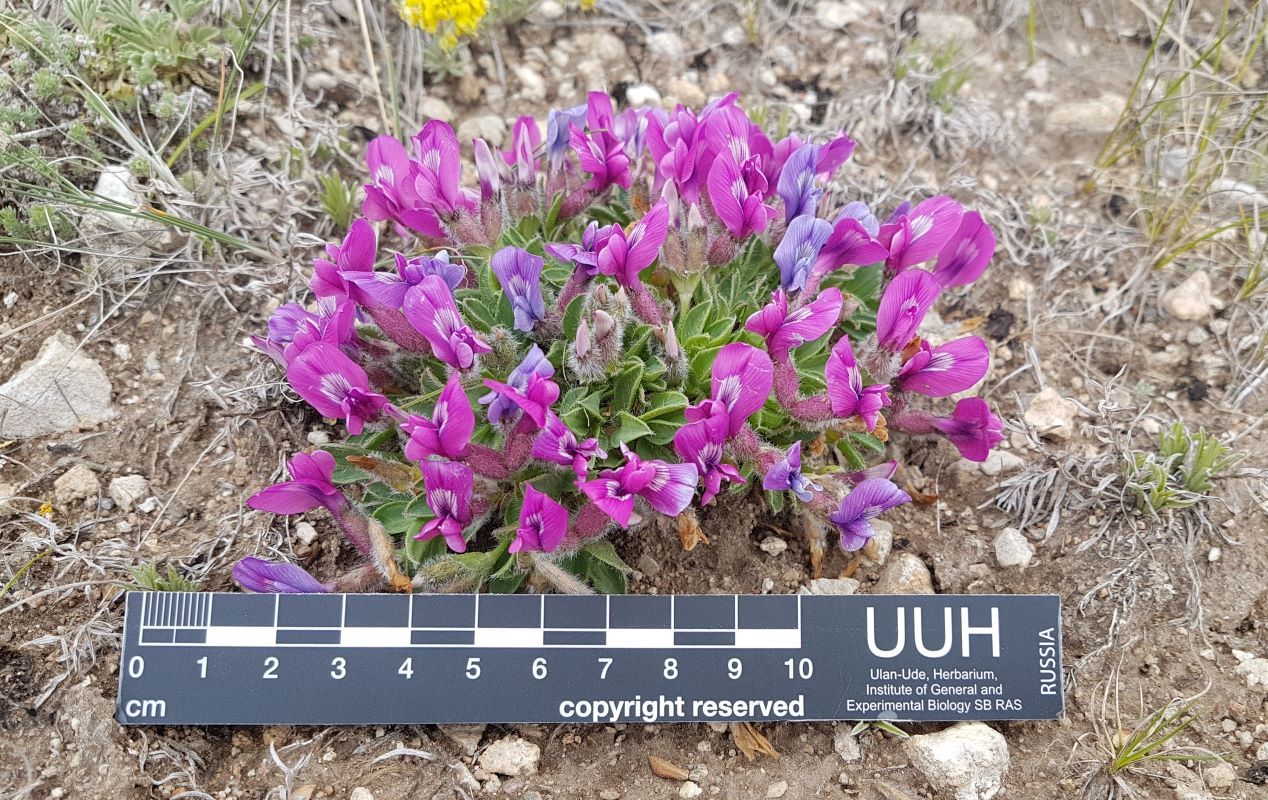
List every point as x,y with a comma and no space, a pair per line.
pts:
581,345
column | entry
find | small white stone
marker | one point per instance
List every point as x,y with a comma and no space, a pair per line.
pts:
642,95
127,490
489,127
1255,670
1220,776
318,438
835,14
10,299
879,546
1214,554
532,84
967,761
1000,462
941,29
61,389
846,745
666,45
1262,753
361,793
467,737
513,757
904,574
433,107
773,545
777,789
305,532
1013,549
690,789
1193,300
76,483
1050,414
829,586
148,505
1197,336
549,10
1094,117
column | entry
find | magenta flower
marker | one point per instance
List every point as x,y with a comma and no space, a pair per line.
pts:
863,504
557,443
491,169
845,387
522,157
919,234
675,146
429,307
392,193
285,321
849,244
797,183
972,428
668,488
543,523
599,151
944,370
335,385
885,469
335,325
520,273
903,306
785,332
449,430
785,476
449,489
799,249
535,399
857,209
964,257
737,192
356,254
311,486
624,256
388,289
586,255
701,443
741,382
833,154
501,404
258,575
440,171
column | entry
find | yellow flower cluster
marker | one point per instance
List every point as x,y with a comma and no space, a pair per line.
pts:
452,19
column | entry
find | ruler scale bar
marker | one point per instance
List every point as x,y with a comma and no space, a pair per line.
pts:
363,659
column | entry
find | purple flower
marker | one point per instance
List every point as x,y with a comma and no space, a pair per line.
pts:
392,194
449,488
785,476
389,290
522,157
668,488
355,255
972,428
863,504
311,485
440,171
557,443
737,192
858,210
918,235
674,144
429,307
499,403
944,370
964,257
520,273
600,152
885,469
491,170
625,256
593,240
543,523
257,575
799,249
785,332
833,154
845,387
741,382
849,244
335,325
797,183
558,123
283,324
335,385
701,443
448,432
903,306
535,399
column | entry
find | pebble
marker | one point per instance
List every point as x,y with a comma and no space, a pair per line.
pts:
609,794
76,483
690,789
835,14
667,46
60,390
127,490
685,92
1013,549
305,532
489,127
361,793
1096,117
830,586
1197,336
879,546
642,95
846,744
648,565
941,29
1262,753
967,761
1000,462
467,737
773,545
549,10
532,84
904,574
1193,300
1050,414
513,757
464,778
433,107
777,789
1220,776
1255,670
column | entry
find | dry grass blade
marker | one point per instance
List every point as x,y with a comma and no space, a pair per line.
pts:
666,769
751,742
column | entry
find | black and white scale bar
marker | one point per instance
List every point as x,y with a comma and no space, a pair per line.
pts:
256,659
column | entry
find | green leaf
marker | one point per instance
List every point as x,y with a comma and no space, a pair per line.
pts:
603,550
631,428
605,579
417,507
662,404
775,500
626,387
572,317
693,322
592,404
869,441
393,516
850,455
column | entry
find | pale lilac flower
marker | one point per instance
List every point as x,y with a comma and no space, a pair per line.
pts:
903,306
543,523
534,399
585,255
965,256
785,476
449,430
429,306
491,170
334,325
701,443
558,124
258,575
797,183
520,273
558,444
863,504
283,324
741,381
846,392
449,488
799,249
737,192
624,256
534,363
944,370
885,469
972,428
668,488
522,157
919,234
857,209
389,289
311,486
335,385
786,331
354,256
